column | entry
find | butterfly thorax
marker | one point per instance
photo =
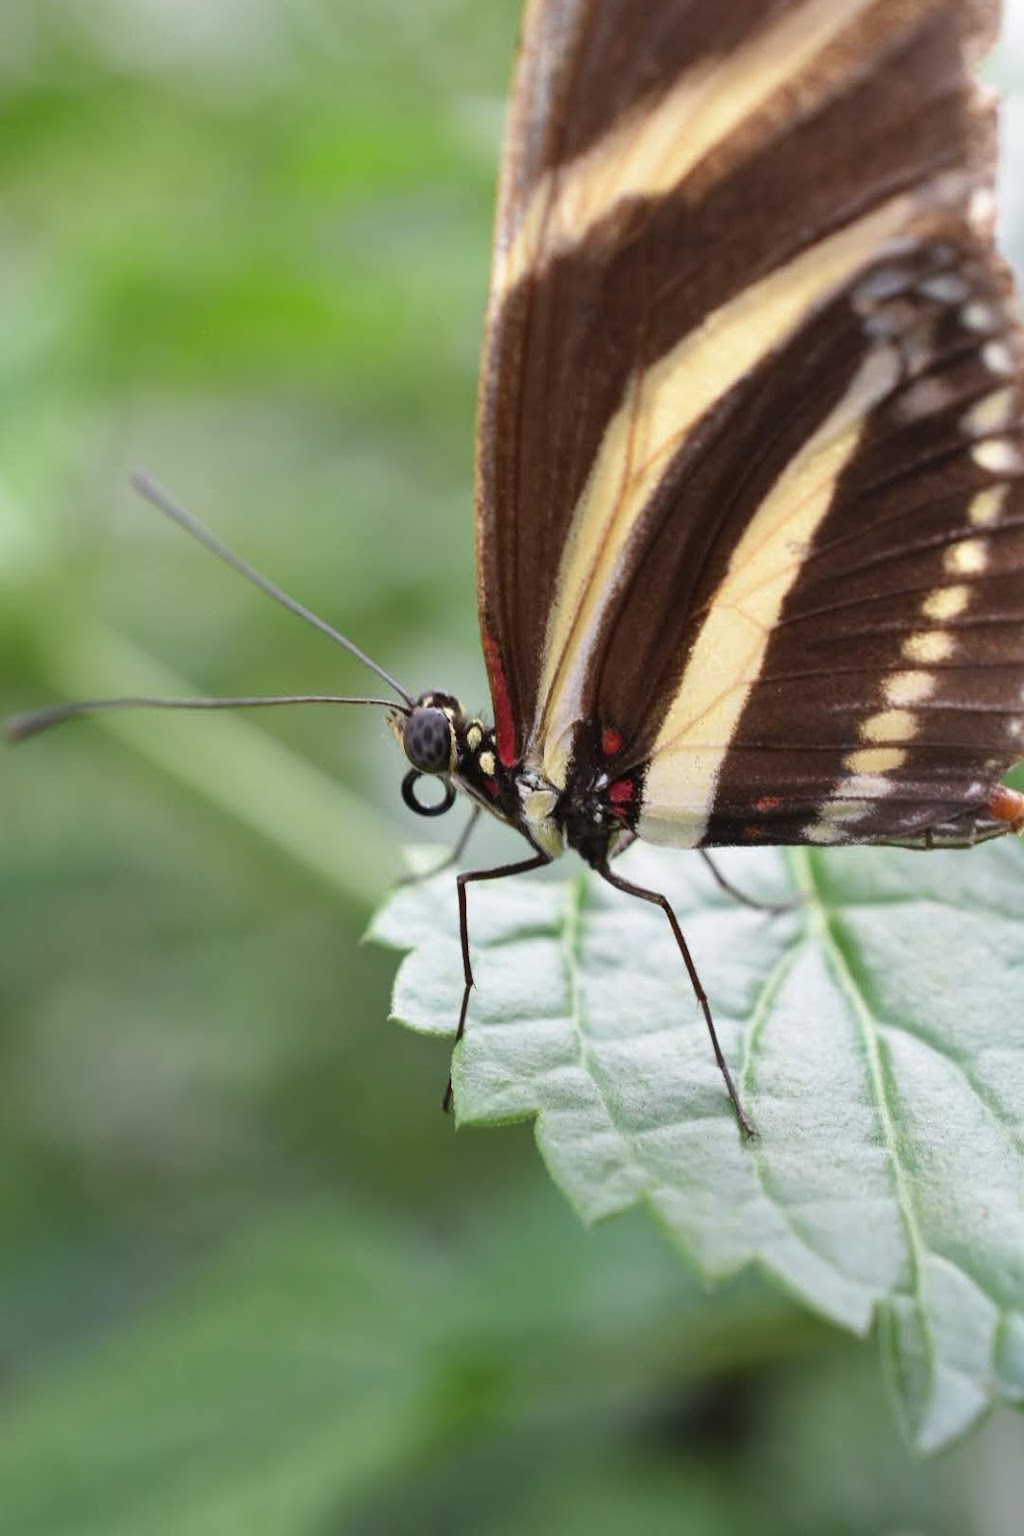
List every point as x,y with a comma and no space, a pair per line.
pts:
602,799
596,806
591,813
591,808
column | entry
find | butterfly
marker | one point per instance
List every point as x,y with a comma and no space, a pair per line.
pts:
750,458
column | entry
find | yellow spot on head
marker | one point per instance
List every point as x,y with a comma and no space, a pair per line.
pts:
928,645
474,736
487,763
395,721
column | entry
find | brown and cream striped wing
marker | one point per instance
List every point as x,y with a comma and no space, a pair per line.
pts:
749,505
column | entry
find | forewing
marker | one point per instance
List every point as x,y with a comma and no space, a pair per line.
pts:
749,401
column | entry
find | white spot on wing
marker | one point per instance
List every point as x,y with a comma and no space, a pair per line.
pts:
894,319
979,316
902,688
999,456
968,558
981,210
874,760
867,786
987,506
889,725
945,603
926,397
929,646
998,358
991,413
824,833
945,288
884,283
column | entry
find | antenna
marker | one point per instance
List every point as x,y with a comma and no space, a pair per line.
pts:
21,726
32,722
159,498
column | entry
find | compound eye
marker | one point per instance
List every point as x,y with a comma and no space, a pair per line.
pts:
427,739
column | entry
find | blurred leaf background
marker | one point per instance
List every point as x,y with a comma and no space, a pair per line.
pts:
251,1280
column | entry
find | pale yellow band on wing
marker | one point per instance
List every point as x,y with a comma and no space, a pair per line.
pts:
729,654
660,408
651,151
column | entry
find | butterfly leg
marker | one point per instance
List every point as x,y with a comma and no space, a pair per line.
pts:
658,900
521,868
748,901
451,858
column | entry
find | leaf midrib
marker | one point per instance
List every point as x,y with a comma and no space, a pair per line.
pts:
821,920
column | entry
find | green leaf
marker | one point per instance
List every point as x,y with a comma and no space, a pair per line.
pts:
876,1033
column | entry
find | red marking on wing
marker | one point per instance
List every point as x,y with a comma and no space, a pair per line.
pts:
504,724
621,792
611,741
768,803
491,786
1007,805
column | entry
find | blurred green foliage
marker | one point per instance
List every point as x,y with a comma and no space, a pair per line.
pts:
251,1280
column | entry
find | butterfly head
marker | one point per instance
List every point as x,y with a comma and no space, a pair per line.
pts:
441,740
429,733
